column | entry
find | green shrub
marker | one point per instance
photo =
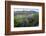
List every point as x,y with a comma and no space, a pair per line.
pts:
33,21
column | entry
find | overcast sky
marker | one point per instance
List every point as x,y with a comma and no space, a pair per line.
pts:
26,9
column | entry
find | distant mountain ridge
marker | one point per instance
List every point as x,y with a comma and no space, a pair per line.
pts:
24,12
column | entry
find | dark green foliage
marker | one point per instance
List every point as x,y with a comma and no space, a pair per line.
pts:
21,22
35,20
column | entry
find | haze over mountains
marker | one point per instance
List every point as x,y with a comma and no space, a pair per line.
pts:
24,12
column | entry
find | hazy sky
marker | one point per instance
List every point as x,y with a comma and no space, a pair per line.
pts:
26,9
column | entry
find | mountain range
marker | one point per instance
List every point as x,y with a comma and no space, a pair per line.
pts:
24,12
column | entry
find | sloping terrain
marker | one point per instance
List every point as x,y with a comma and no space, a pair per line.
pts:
26,19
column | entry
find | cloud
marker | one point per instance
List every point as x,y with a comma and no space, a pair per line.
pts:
26,9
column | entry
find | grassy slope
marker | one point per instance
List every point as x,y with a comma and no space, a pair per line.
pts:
19,18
